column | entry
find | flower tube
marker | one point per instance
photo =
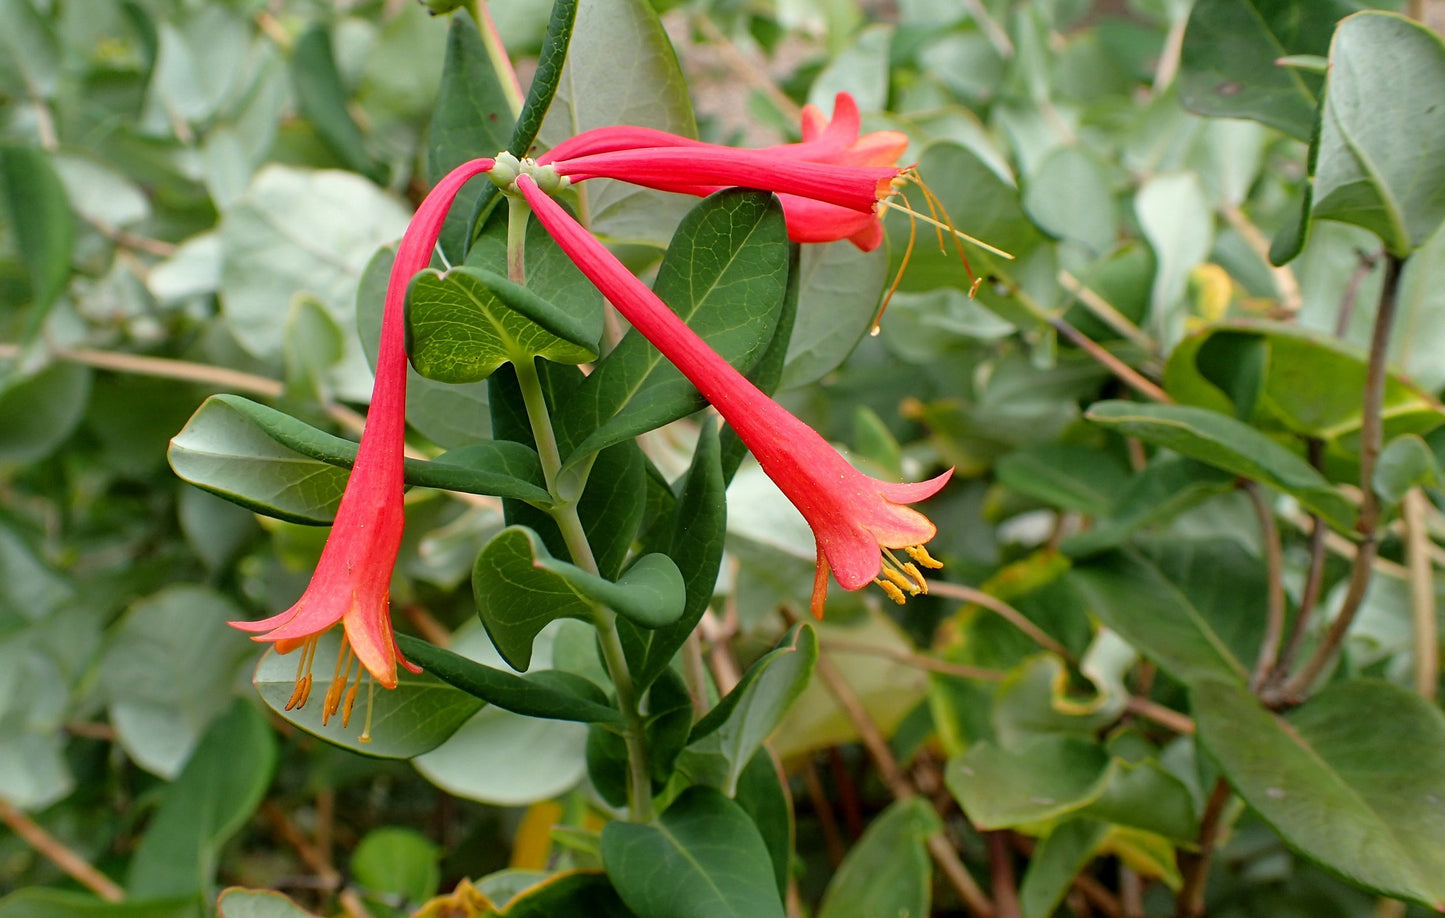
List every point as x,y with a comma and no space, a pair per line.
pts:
352,581
857,520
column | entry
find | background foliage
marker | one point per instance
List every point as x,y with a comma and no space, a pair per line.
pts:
1157,410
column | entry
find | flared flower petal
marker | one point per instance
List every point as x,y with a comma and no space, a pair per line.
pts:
830,184
857,520
352,580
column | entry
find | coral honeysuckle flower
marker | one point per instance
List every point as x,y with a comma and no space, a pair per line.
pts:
857,520
830,184
353,578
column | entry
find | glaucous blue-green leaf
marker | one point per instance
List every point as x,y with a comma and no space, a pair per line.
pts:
418,715
38,212
702,858
322,99
1230,61
210,800
888,871
724,275
520,588
547,694
160,701
1135,599
838,292
1040,778
39,412
621,69
698,531
268,461
1068,196
398,862
465,323
1228,444
1354,778
257,903
1379,161
725,740
1176,217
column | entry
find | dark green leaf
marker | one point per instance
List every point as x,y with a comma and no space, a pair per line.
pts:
421,713
1229,66
699,524
34,200
668,722
547,78
888,872
471,117
724,275
209,801
322,100
763,794
41,902
1166,487
1072,477
578,892
463,324
547,694
1230,445
703,858
1056,862
1379,161
1354,778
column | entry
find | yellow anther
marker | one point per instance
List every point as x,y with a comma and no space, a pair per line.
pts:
337,689
350,701
898,579
916,577
893,592
302,691
920,554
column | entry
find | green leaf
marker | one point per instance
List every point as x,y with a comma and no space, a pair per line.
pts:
725,740
38,413
211,799
668,723
33,199
1072,477
1041,778
258,903
465,323
1135,599
888,871
160,701
399,862
1379,161
1406,462
547,79
268,461
41,902
724,275
577,892
703,858
1176,217
1056,862
1230,445
763,794
838,291
472,117
1354,778
418,715
1068,196
322,100
1231,67
698,530
1166,487
520,588
550,695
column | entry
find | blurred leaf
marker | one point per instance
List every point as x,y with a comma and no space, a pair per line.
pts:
1228,444
1231,63
322,99
1405,463
703,858
34,201
40,902
888,871
1177,219
1038,779
860,68
724,275
1166,487
398,862
465,323
312,347
554,695
1353,778
838,295
212,798
31,64
258,903
38,413
1379,161
763,794
725,740
1059,858
418,715
1072,477
160,701
1068,196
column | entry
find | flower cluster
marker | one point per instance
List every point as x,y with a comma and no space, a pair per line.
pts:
832,186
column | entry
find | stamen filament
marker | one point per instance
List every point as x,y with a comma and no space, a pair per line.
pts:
370,693
960,234
302,690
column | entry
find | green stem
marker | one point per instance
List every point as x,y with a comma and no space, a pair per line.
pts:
518,212
564,511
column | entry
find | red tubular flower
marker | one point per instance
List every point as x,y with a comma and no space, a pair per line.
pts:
856,519
353,578
830,184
